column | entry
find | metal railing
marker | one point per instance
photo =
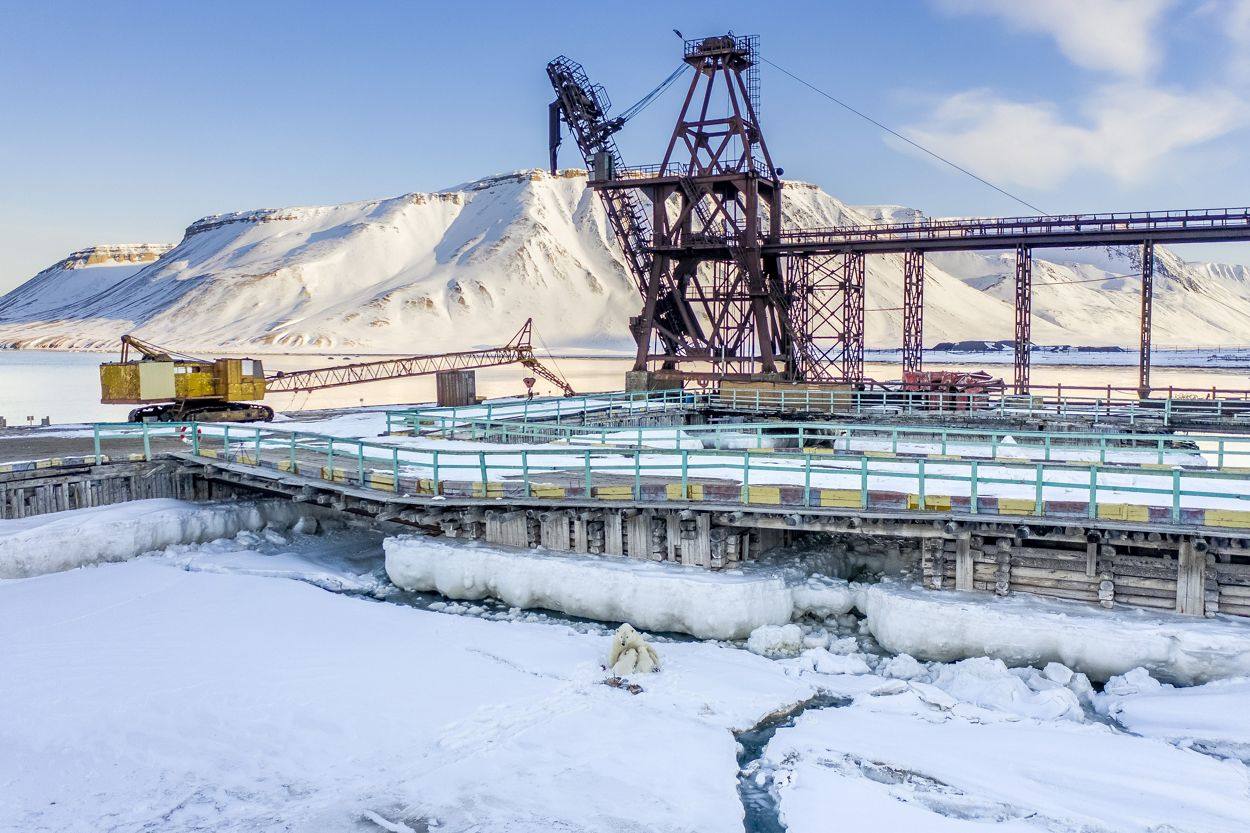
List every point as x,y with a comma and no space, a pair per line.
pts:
974,227
840,480
1189,451
546,409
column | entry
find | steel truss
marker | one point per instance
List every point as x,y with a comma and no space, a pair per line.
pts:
1024,319
829,293
913,310
1147,313
724,286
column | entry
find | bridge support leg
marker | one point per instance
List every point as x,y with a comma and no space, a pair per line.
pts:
913,310
964,567
1191,577
853,317
1024,318
1147,306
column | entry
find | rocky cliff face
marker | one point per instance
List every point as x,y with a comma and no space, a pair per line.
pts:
465,266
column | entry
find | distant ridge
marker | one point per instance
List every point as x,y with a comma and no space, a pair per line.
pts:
465,266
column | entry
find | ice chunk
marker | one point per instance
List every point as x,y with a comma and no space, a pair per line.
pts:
1137,681
902,667
822,597
1058,672
987,683
824,662
64,540
1030,631
653,596
776,640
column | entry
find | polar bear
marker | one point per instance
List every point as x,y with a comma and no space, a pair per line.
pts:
630,653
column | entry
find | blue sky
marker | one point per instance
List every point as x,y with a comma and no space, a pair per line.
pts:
127,121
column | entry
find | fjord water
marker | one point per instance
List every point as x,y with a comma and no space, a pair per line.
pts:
65,385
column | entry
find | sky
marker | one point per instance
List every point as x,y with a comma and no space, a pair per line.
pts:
125,122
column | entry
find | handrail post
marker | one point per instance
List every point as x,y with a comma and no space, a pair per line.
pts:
920,490
225,441
973,496
481,462
863,482
525,473
588,484
746,472
330,457
434,473
291,453
1176,494
95,443
360,463
395,468
637,474
807,480
147,442
195,441
685,474
1038,502
1093,491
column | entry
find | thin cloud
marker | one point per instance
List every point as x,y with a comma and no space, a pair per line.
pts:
1125,131
1118,36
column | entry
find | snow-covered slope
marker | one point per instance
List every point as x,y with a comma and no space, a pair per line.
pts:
76,279
466,266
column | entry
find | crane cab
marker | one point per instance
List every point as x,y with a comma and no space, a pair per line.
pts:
175,388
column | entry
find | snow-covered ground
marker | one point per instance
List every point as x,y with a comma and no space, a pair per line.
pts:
275,679
176,701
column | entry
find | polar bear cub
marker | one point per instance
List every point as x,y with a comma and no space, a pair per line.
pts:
630,653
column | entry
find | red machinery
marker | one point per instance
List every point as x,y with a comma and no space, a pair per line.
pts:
953,390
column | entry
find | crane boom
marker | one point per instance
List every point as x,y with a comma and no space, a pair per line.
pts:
518,350
584,108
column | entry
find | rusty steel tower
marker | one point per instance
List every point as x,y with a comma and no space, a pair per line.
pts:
727,293
716,302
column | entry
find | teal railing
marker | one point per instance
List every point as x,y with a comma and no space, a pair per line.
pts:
839,479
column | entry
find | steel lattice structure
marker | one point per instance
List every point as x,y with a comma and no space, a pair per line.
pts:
726,287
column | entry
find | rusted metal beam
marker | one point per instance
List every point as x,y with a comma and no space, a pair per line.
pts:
1024,318
913,310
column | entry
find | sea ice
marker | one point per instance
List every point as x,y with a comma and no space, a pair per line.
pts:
177,701
651,595
64,540
1023,630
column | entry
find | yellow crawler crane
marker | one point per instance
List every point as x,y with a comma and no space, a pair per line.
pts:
173,387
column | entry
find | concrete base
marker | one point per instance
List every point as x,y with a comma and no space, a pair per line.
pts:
644,380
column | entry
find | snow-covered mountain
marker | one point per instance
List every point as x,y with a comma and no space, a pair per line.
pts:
77,278
465,266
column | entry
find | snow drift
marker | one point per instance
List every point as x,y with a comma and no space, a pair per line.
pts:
464,267
65,540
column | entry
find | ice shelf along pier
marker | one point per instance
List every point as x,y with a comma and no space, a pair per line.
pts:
1112,503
